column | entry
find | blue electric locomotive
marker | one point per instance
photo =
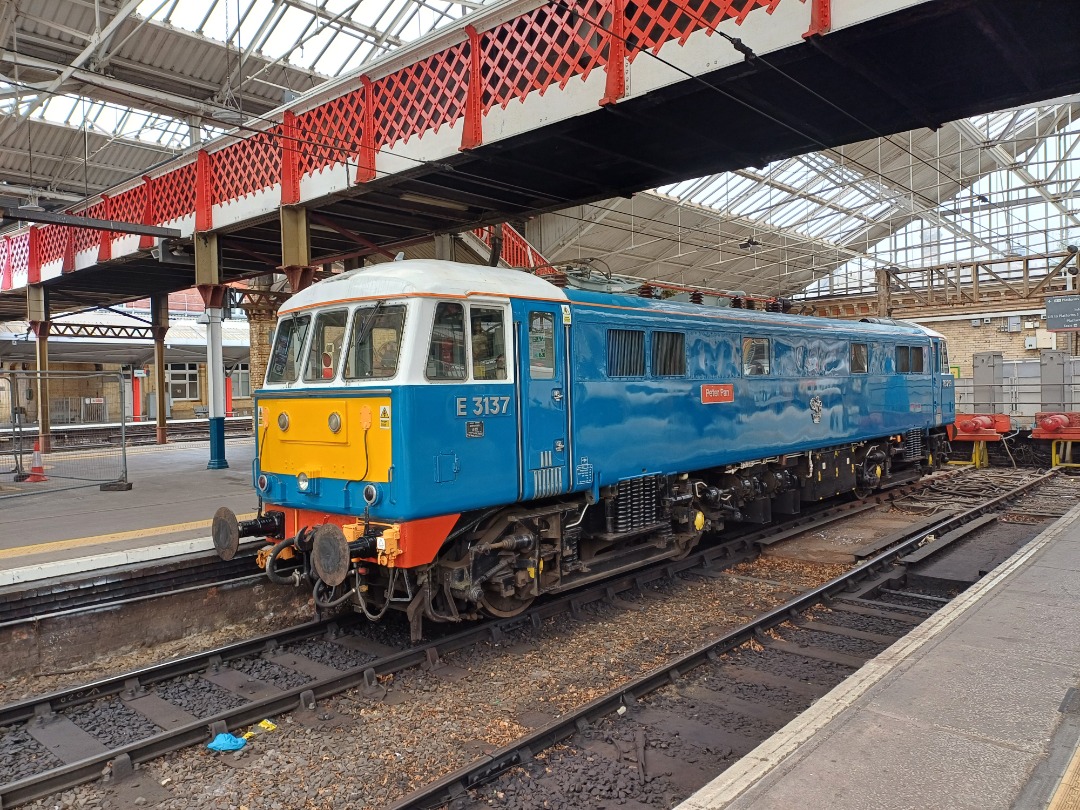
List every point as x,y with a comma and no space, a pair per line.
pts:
452,438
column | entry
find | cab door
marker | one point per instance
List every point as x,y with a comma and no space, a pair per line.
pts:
944,384
543,329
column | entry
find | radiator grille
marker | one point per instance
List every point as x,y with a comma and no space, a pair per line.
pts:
913,445
637,503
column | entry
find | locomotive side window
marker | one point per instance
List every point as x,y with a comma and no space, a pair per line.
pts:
859,358
375,342
626,353
910,359
284,363
669,354
488,335
903,360
446,354
918,359
755,356
944,352
324,355
541,346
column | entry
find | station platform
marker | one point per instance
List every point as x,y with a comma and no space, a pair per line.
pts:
979,707
166,513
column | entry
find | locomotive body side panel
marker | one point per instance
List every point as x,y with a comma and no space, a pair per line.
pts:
715,414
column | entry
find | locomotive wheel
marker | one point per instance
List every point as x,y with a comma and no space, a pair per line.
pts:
504,607
685,543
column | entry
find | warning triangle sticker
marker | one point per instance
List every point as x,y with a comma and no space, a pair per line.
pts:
384,411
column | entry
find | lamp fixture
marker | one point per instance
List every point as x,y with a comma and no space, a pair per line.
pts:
438,202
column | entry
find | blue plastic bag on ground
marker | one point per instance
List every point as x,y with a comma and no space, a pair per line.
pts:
226,742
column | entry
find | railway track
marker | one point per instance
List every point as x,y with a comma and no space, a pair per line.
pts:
114,588
303,666
634,743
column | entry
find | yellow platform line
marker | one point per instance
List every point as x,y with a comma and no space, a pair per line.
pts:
1067,795
135,534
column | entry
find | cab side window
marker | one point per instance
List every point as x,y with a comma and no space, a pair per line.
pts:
918,359
487,334
446,352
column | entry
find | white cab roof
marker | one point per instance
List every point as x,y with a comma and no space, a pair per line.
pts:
424,277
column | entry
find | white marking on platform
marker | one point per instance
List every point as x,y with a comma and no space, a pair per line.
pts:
787,742
109,559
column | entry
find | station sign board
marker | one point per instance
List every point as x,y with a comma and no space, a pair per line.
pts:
1063,313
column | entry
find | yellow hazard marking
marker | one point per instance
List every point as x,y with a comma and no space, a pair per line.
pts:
1067,794
134,534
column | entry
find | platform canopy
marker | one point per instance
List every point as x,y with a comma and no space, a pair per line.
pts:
94,93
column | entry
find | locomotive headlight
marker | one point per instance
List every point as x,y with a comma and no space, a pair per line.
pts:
303,482
371,494
334,422
283,421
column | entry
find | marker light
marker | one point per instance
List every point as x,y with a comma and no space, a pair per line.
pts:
283,421
262,483
303,482
334,422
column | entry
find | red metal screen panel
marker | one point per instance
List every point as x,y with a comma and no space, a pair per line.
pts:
128,206
20,252
330,133
246,166
651,23
86,238
174,194
52,239
425,95
547,46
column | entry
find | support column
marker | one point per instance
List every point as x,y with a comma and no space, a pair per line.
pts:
446,247
296,247
884,279
159,319
215,377
37,311
208,281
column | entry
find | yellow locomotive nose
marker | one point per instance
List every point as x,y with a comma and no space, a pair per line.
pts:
344,438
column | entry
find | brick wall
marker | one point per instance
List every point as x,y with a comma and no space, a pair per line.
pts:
261,328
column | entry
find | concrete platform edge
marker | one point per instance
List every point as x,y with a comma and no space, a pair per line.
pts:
789,744
109,559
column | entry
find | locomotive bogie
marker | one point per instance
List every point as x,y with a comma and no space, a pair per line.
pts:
475,438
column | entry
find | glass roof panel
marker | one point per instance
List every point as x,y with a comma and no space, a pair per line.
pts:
326,37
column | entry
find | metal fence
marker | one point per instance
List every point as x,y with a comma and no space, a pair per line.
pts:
83,448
